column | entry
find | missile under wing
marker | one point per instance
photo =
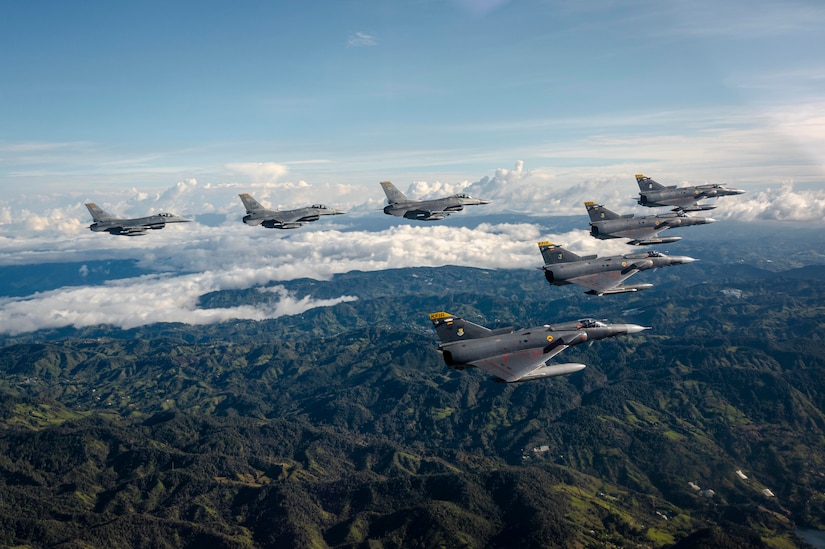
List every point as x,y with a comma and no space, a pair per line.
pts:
425,210
256,214
642,231
654,194
517,355
104,222
601,275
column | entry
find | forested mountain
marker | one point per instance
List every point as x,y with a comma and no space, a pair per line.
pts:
342,427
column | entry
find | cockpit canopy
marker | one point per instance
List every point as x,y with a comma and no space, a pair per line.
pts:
591,323
319,206
461,195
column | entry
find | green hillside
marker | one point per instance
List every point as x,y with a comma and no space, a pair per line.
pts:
342,427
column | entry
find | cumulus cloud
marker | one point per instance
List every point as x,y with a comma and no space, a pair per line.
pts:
780,204
201,259
194,258
533,192
260,172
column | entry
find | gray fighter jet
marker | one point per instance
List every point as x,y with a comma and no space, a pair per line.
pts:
104,222
601,275
684,199
282,219
425,210
642,231
520,355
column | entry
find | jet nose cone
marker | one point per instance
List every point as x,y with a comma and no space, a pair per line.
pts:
736,191
635,328
683,259
710,220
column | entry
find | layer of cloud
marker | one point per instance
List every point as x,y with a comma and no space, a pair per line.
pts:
533,192
146,300
196,260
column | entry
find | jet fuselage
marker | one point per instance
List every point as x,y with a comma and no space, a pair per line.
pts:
685,197
559,273
136,226
638,228
541,340
432,210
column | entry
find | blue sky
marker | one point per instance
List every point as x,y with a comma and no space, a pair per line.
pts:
142,95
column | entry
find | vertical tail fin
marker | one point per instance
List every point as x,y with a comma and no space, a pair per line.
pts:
97,212
452,328
598,212
250,203
394,196
647,184
556,254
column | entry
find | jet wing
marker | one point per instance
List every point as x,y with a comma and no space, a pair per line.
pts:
128,231
281,217
642,233
425,215
513,366
603,282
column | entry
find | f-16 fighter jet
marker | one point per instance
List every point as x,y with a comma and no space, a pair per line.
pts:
520,355
282,219
684,199
601,275
642,231
104,222
425,210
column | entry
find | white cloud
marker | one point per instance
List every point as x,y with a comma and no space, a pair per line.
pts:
361,40
196,259
780,204
145,300
260,172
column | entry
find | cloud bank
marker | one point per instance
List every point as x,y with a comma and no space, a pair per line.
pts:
206,259
196,258
136,302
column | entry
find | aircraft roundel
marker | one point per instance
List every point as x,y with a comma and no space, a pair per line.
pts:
550,339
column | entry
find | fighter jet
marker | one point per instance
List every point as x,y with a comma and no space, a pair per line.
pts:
521,355
684,199
425,210
104,222
642,231
282,219
601,275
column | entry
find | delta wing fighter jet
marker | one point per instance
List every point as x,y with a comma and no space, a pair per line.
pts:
103,222
425,210
521,355
684,199
282,219
642,231
601,275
